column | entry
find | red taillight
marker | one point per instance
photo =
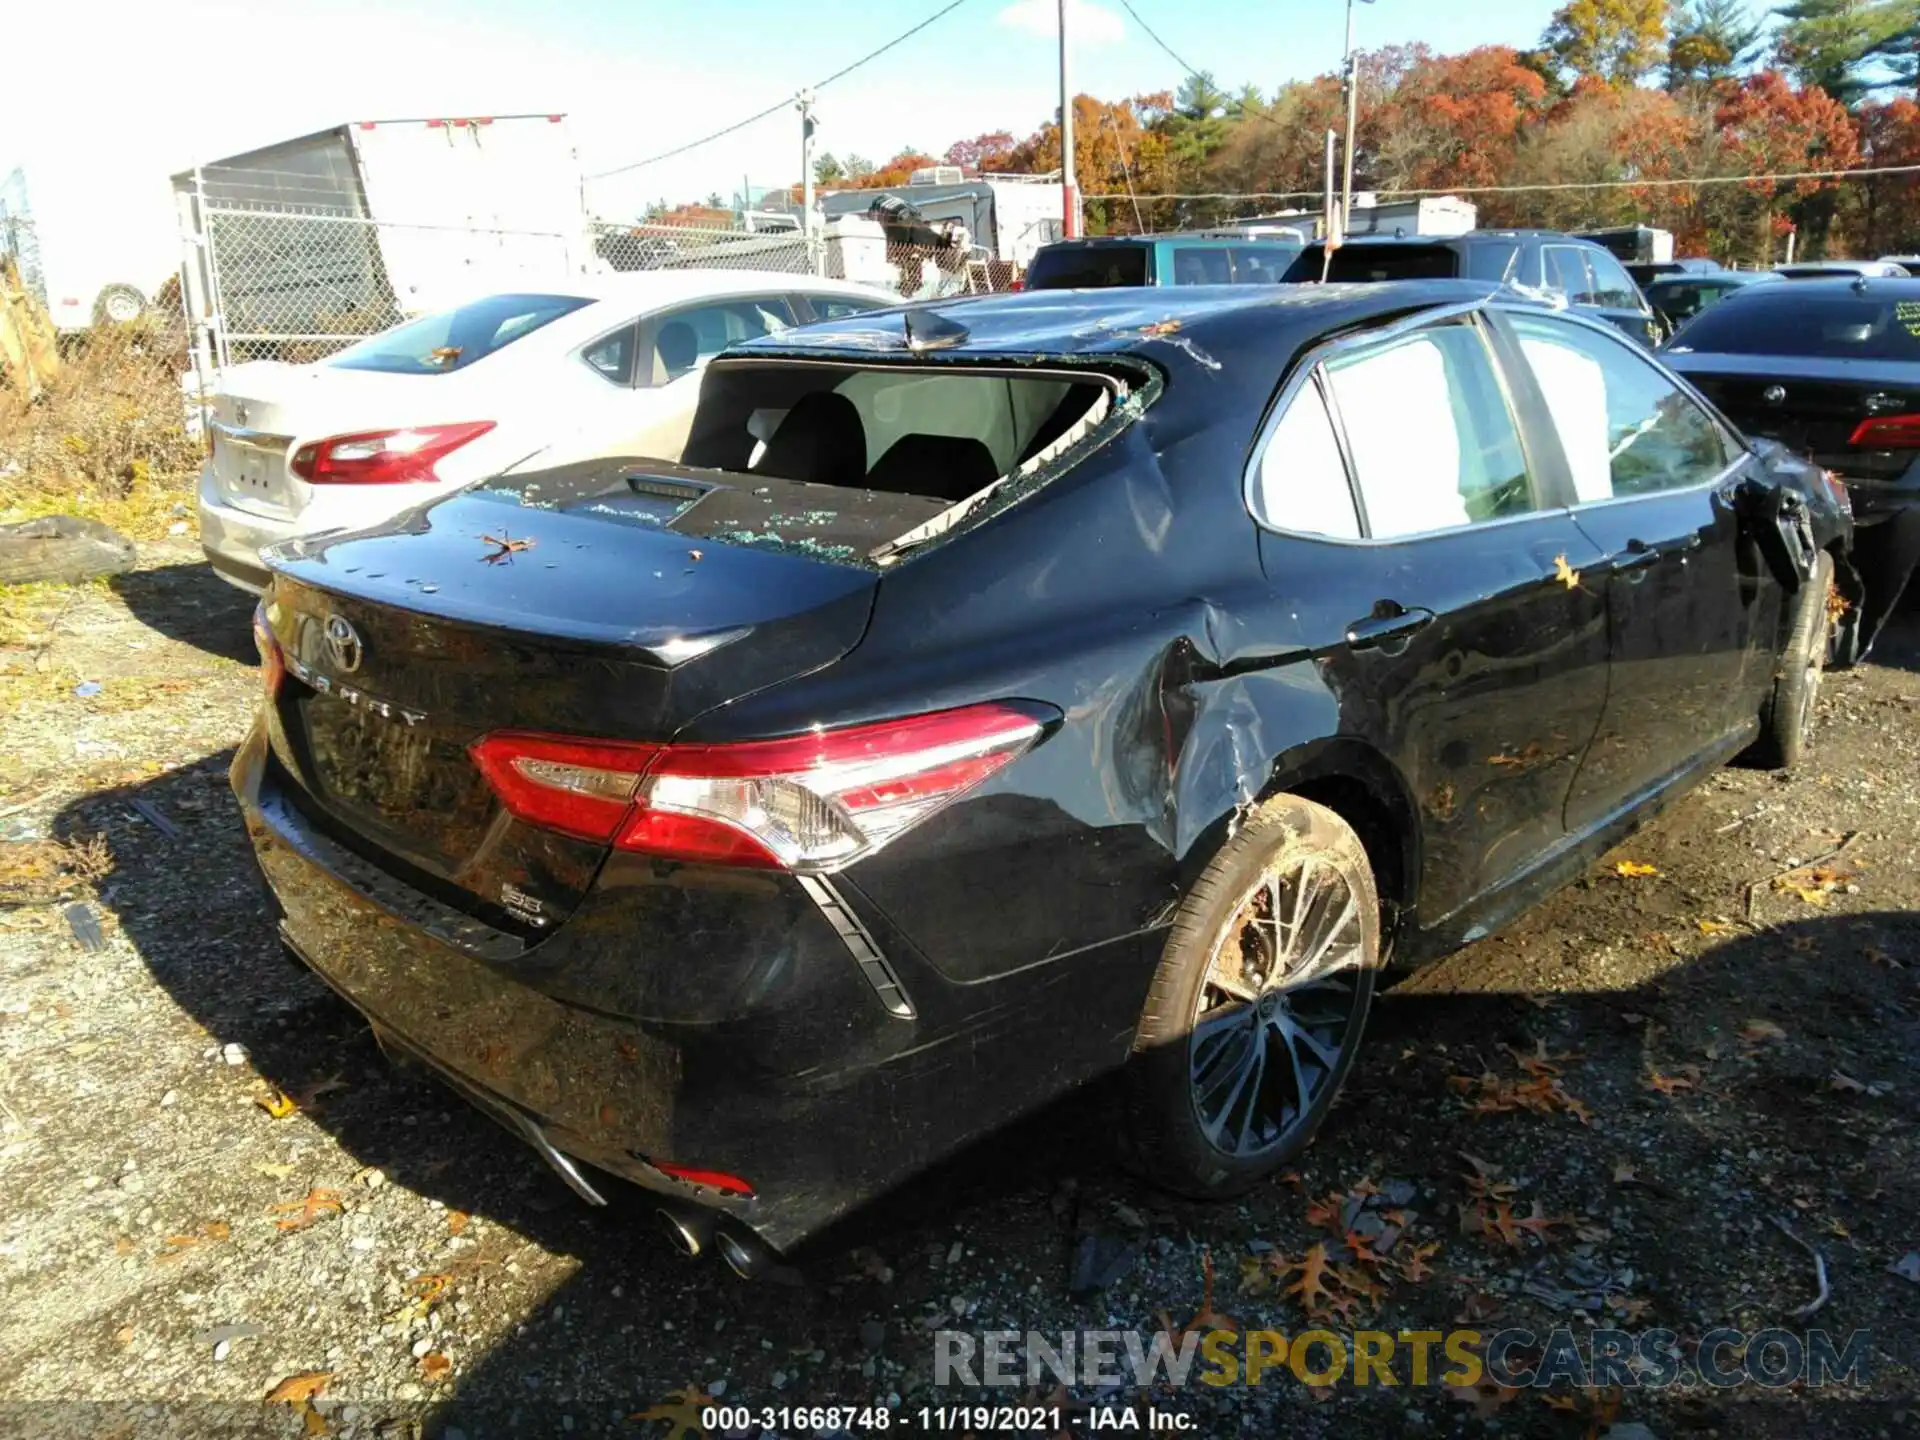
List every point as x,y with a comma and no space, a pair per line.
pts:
806,802
1887,432
717,1179
273,664
383,457
577,787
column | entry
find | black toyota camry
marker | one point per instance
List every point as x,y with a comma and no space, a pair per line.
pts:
997,694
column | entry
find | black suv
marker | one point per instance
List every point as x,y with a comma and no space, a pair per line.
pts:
1582,273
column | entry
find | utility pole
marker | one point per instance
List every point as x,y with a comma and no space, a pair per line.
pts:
1070,219
804,104
1353,115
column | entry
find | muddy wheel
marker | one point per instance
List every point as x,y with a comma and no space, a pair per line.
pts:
1257,1009
1787,720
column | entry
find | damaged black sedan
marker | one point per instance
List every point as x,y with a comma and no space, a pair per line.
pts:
995,695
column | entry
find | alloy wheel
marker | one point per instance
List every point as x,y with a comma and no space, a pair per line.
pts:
1282,1000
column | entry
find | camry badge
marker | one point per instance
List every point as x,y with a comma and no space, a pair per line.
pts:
343,644
1774,394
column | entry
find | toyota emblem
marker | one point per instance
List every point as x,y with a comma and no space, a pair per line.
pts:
343,643
1774,394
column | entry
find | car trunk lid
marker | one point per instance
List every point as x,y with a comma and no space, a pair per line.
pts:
1811,405
620,614
264,407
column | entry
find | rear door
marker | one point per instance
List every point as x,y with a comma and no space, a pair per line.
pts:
1413,504
1691,605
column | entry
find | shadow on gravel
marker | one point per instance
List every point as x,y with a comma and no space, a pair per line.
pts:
626,1320
191,604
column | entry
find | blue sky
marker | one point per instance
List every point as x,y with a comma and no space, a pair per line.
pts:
204,78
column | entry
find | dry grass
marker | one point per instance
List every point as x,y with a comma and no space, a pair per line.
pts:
108,439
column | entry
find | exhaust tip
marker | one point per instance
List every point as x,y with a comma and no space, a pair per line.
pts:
740,1259
689,1236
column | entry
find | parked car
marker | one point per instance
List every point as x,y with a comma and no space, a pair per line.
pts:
1679,297
1578,272
1100,262
998,694
1831,369
1827,269
609,365
1644,273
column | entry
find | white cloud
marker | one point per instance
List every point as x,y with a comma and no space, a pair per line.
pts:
1088,25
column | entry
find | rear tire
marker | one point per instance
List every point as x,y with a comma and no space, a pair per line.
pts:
118,305
1787,721
1257,1009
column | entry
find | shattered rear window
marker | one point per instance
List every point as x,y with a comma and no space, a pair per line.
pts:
859,459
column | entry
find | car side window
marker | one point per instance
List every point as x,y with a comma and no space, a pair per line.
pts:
611,356
1302,485
1567,273
839,307
1201,265
1625,427
1261,264
1433,440
682,340
1612,286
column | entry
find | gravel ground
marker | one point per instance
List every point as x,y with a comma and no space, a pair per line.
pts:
1668,1063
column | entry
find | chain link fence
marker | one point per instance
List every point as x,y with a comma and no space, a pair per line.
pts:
928,266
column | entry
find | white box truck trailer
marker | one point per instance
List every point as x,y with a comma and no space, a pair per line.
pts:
364,224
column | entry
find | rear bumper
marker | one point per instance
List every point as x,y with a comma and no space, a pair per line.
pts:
766,1050
233,538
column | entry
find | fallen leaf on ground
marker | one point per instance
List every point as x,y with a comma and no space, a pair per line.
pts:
1715,927
457,1221
683,1413
276,1103
1413,1261
1625,1174
298,1389
182,1245
1633,869
1310,1287
1565,573
303,1212
1670,1085
273,1171
435,1366
1755,1031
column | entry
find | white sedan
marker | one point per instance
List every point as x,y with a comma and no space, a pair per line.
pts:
608,367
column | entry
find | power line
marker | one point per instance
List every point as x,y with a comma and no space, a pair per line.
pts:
782,104
1774,176
1171,52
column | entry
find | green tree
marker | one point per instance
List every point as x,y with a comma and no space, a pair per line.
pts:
1845,47
1712,39
827,170
1618,41
858,168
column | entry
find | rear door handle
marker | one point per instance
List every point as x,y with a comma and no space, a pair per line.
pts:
1637,556
1378,632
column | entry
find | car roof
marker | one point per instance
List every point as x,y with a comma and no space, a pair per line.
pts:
1713,277
1201,326
1200,237
665,287
1845,282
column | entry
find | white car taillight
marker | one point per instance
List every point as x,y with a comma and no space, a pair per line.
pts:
805,803
383,457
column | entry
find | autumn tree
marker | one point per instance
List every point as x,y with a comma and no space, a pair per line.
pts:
1450,120
1838,45
896,172
1618,41
1115,154
1767,127
989,151
1712,39
1890,204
